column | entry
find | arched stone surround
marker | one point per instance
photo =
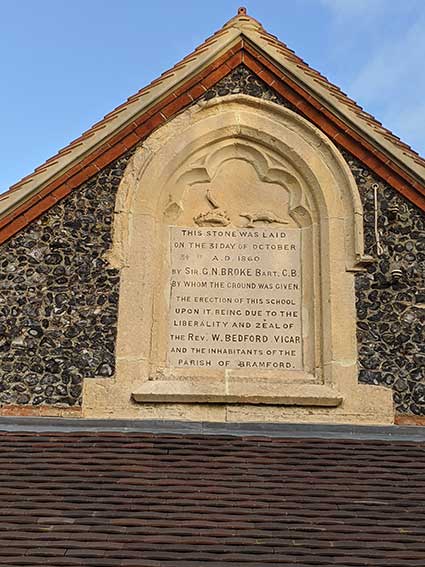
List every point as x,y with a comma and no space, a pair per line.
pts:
221,148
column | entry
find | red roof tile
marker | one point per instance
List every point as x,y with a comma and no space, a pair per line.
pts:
121,499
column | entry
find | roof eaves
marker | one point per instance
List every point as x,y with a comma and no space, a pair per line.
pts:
272,430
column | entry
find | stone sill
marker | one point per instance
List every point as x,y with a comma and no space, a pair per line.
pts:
169,392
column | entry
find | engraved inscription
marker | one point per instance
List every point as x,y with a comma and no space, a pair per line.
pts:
235,298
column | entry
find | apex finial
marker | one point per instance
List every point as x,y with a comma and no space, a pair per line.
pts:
242,21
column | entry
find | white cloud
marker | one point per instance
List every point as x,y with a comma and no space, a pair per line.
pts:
346,9
391,66
385,42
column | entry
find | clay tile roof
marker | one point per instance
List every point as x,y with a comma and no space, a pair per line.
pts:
239,39
190,500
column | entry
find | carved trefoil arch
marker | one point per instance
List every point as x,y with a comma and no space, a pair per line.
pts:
238,162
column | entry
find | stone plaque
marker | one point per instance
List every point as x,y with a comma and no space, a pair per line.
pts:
235,298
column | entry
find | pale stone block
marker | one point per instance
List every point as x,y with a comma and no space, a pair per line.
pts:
237,163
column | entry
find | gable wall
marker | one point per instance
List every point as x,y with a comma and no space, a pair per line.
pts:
55,271
59,298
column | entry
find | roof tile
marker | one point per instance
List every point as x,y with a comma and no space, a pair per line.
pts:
123,499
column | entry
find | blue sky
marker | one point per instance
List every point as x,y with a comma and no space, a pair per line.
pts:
65,64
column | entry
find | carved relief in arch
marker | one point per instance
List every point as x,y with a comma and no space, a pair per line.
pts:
264,186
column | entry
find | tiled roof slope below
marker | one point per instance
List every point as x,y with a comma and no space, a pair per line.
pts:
146,500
